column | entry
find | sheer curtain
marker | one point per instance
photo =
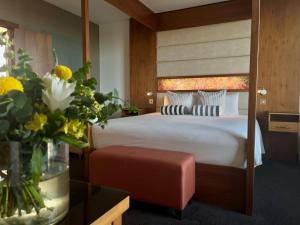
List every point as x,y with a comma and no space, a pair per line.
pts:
2,51
2,60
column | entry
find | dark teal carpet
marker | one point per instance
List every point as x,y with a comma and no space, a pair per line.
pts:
277,202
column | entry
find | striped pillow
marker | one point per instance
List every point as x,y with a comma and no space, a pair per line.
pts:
185,99
173,110
206,110
213,98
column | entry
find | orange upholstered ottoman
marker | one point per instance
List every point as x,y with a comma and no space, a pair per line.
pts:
165,178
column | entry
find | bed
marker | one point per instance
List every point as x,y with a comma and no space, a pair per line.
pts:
218,144
213,140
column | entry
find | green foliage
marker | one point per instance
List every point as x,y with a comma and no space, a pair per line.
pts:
4,127
36,165
23,68
132,109
55,58
81,74
89,105
37,116
72,141
18,108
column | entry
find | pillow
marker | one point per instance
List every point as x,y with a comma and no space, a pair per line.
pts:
185,99
213,98
173,110
232,104
206,110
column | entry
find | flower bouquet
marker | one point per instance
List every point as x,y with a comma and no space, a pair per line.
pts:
39,117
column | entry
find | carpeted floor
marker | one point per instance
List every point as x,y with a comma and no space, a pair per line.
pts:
277,202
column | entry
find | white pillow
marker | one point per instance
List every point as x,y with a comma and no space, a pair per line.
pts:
213,98
232,104
185,99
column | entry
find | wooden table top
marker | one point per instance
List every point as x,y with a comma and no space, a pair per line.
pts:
94,205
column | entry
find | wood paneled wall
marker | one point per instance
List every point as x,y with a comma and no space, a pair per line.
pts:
279,70
205,15
142,65
38,46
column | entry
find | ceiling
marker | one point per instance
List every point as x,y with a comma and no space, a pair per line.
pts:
158,6
100,11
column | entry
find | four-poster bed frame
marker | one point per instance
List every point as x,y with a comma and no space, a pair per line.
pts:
236,185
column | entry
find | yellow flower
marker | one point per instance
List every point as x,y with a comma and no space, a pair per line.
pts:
63,72
8,84
75,128
38,122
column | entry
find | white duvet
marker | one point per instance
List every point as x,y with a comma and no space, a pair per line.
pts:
213,140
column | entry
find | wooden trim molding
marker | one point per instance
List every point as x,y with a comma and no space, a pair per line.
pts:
85,31
8,25
254,62
203,76
138,11
86,57
212,90
223,12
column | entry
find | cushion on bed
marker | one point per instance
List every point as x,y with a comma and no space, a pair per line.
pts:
206,110
232,104
173,110
213,98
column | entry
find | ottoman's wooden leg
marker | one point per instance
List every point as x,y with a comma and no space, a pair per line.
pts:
178,214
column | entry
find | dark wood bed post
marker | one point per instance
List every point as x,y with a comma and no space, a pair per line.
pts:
252,105
86,58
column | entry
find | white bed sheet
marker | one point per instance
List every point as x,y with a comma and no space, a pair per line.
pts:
213,140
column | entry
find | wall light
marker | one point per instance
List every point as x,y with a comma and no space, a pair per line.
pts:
149,93
262,92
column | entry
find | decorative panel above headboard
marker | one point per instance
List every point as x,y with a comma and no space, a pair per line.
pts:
236,83
206,50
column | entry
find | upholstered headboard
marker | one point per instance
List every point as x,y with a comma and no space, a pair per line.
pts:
243,102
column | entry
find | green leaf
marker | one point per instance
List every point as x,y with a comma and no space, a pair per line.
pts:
87,101
25,114
4,127
72,112
101,98
91,83
36,165
55,58
5,110
116,96
72,141
81,73
19,98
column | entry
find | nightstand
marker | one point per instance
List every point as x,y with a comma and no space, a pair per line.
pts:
284,122
281,136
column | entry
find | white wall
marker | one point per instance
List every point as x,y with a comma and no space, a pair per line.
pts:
114,58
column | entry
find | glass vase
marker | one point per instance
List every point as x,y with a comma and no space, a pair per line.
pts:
34,183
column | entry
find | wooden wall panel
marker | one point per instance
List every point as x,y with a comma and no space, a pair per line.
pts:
142,65
279,69
38,46
137,10
205,15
